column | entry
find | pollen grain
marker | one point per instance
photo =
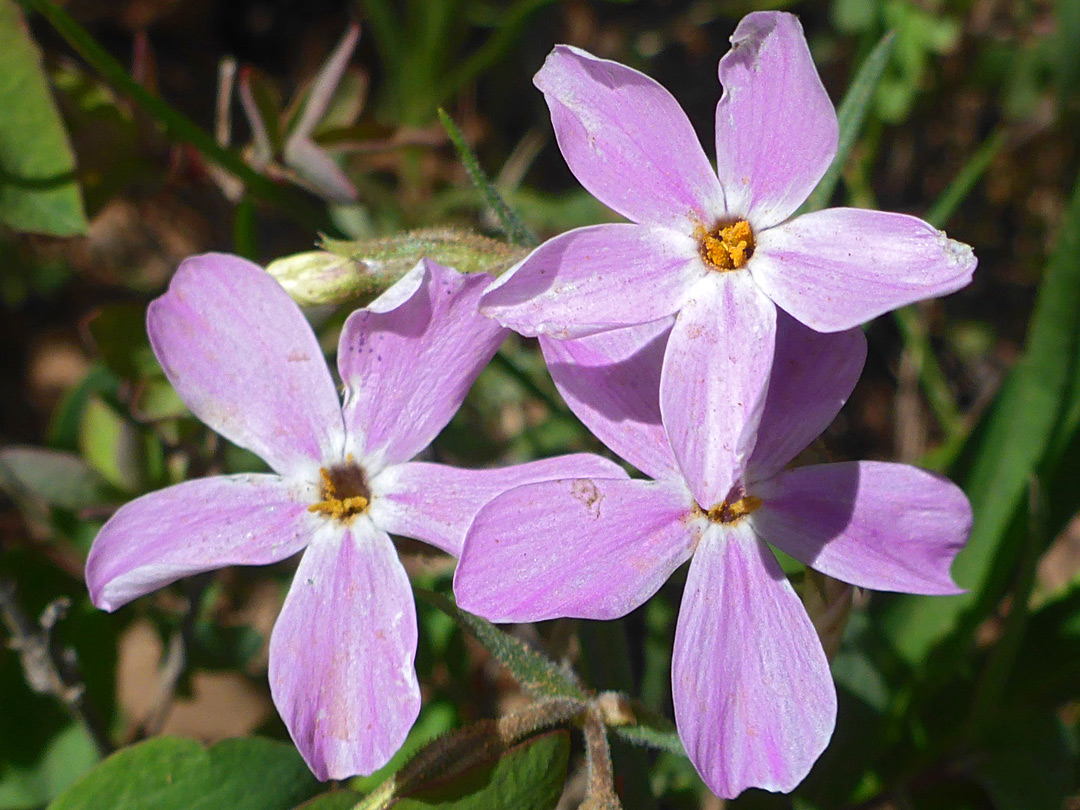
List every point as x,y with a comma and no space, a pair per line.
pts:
343,491
727,247
736,511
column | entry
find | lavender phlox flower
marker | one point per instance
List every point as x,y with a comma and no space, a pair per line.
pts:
754,701
243,358
716,247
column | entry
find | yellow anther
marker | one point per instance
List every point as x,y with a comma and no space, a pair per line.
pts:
727,247
343,491
734,512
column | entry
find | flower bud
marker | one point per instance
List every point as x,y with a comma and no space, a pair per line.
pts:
318,277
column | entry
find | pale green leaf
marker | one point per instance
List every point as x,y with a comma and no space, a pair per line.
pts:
38,191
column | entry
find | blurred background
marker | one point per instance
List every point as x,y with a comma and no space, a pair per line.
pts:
182,127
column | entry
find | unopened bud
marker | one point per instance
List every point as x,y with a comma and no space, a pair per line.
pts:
318,277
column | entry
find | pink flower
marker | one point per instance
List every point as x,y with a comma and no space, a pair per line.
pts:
754,701
715,247
243,358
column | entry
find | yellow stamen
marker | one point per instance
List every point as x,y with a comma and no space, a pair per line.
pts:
344,493
727,247
734,512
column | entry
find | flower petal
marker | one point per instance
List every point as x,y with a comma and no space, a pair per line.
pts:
754,701
240,355
890,527
611,380
197,526
408,360
628,141
837,268
596,278
588,548
776,129
342,653
813,374
436,503
715,377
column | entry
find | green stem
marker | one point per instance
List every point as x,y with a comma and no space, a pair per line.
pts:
516,230
176,124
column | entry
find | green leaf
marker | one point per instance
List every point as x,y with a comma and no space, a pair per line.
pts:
57,478
1007,450
529,776
113,446
536,672
69,755
64,425
851,114
38,191
155,400
168,773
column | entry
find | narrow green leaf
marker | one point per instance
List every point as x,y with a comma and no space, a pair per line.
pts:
57,478
529,776
168,773
38,190
1020,427
516,230
536,672
648,737
851,115
965,180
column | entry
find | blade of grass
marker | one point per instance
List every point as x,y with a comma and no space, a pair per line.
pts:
851,114
965,180
385,29
176,124
516,230
494,48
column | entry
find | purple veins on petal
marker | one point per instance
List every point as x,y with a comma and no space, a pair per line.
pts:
627,141
414,351
588,548
754,701
196,526
342,651
244,359
890,527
